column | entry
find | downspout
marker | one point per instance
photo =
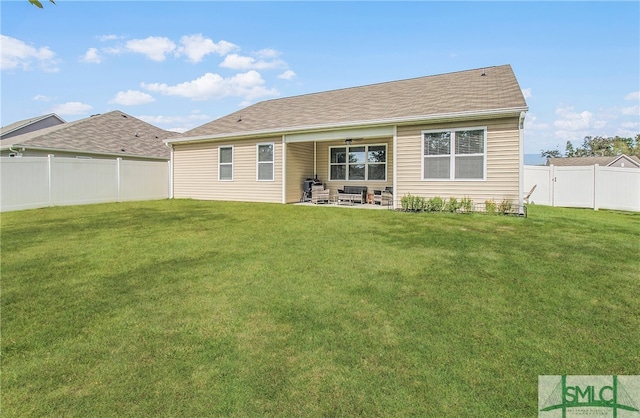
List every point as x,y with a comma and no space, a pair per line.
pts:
315,160
284,170
17,151
171,164
521,164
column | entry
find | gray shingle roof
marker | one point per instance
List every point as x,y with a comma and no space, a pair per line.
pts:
108,133
586,161
452,93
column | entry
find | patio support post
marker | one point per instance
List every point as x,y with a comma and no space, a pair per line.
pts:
395,166
284,169
521,161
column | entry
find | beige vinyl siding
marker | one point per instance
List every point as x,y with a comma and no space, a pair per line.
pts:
299,168
323,165
502,157
195,172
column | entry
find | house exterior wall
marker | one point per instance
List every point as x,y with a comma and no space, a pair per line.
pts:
195,172
195,168
299,167
502,163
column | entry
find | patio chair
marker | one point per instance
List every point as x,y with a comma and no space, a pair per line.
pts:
528,195
383,197
319,194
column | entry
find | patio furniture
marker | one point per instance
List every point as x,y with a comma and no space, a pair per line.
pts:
383,197
528,195
319,194
358,194
349,198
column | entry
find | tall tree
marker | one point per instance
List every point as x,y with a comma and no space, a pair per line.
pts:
569,151
37,3
554,153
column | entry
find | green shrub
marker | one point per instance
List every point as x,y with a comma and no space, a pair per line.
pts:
411,203
504,206
452,205
435,204
490,206
466,205
404,202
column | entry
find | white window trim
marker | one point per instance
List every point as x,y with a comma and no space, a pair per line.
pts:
231,163
452,155
272,162
366,163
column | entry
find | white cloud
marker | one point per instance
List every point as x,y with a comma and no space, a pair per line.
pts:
105,38
131,98
268,53
572,121
41,98
195,47
176,123
71,108
630,125
531,123
633,96
239,62
526,93
573,125
154,47
16,54
631,111
287,75
92,56
249,86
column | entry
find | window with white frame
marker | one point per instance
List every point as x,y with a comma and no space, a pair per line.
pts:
458,154
266,165
225,163
362,162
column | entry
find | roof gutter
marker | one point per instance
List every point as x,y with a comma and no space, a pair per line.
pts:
106,154
471,115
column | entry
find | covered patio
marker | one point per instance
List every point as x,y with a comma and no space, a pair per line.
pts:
344,162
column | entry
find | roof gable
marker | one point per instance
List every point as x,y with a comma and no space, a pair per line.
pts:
30,125
480,90
110,133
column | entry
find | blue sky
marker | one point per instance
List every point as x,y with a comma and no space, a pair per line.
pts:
179,65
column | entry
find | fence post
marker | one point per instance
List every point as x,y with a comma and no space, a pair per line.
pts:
50,177
118,178
552,184
596,168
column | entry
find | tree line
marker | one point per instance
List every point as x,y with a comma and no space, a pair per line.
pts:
598,146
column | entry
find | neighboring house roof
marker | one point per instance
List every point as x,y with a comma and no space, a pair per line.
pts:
31,124
585,161
483,91
113,133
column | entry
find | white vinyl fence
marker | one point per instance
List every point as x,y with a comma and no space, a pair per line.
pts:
584,187
36,182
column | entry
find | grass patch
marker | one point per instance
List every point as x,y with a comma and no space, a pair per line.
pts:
187,308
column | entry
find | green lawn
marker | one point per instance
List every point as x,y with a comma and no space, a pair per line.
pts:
185,308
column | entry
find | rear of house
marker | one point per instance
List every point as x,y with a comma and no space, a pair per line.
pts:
451,135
